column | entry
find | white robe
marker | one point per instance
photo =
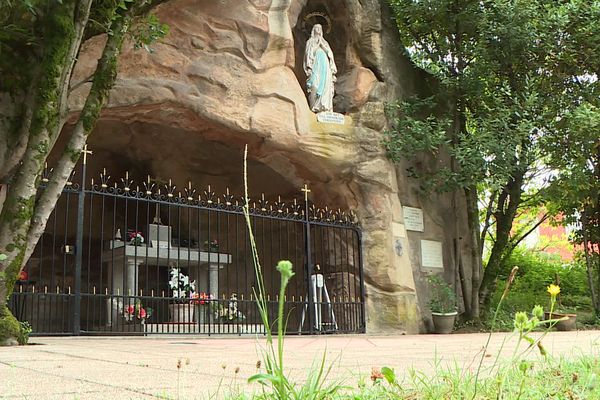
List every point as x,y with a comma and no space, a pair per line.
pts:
320,70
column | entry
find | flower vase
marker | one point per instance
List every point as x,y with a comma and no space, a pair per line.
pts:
202,314
181,313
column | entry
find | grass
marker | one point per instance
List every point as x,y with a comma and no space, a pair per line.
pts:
557,379
514,378
561,378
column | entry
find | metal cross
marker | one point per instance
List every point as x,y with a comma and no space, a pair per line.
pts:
85,152
306,191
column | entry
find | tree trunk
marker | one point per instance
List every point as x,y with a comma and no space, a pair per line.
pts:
496,261
23,217
475,258
505,216
588,262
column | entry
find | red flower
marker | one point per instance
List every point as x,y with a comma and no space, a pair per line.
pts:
23,276
142,313
201,298
130,309
204,298
135,235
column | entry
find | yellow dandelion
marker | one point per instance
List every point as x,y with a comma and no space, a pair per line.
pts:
554,290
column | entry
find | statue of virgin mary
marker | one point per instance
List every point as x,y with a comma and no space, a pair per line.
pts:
320,70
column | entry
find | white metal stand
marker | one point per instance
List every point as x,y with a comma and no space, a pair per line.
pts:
319,292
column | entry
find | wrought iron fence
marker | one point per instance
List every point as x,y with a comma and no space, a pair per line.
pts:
112,252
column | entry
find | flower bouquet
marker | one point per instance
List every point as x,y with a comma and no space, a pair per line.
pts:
211,245
137,311
230,314
183,290
181,285
202,302
201,298
135,238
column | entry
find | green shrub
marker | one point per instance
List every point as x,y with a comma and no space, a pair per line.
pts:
537,270
25,332
442,296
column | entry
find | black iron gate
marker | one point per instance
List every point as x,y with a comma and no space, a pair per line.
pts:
120,258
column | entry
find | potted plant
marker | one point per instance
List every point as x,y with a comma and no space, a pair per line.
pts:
562,319
566,321
137,312
203,304
183,289
442,304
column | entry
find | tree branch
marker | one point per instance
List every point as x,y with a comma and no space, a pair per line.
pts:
525,202
104,79
15,217
81,83
82,15
17,150
515,242
486,221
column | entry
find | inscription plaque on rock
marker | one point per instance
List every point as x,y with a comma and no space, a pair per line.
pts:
398,230
330,117
413,219
431,254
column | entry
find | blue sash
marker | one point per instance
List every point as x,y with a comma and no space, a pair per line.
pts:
319,71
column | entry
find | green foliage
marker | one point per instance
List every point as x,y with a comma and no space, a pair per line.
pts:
25,331
442,296
558,378
487,58
537,271
514,83
102,14
575,192
9,326
19,40
416,127
148,31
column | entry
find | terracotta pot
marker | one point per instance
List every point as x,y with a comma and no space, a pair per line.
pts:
566,325
443,322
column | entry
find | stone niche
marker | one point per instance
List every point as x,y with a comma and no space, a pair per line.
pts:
348,33
229,74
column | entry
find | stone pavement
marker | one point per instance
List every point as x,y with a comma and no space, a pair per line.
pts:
210,367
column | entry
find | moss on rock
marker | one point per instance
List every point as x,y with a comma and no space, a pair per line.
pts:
10,329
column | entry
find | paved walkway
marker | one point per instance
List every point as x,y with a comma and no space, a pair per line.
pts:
146,368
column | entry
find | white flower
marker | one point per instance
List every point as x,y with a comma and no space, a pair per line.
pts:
174,283
175,293
193,285
184,279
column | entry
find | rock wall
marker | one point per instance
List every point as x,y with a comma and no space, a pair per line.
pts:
228,73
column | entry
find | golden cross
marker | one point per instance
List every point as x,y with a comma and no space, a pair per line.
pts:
85,152
306,191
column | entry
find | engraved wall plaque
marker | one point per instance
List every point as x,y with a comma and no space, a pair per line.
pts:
413,219
431,254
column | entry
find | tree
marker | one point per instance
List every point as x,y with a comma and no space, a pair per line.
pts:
441,39
505,79
575,192
39,44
